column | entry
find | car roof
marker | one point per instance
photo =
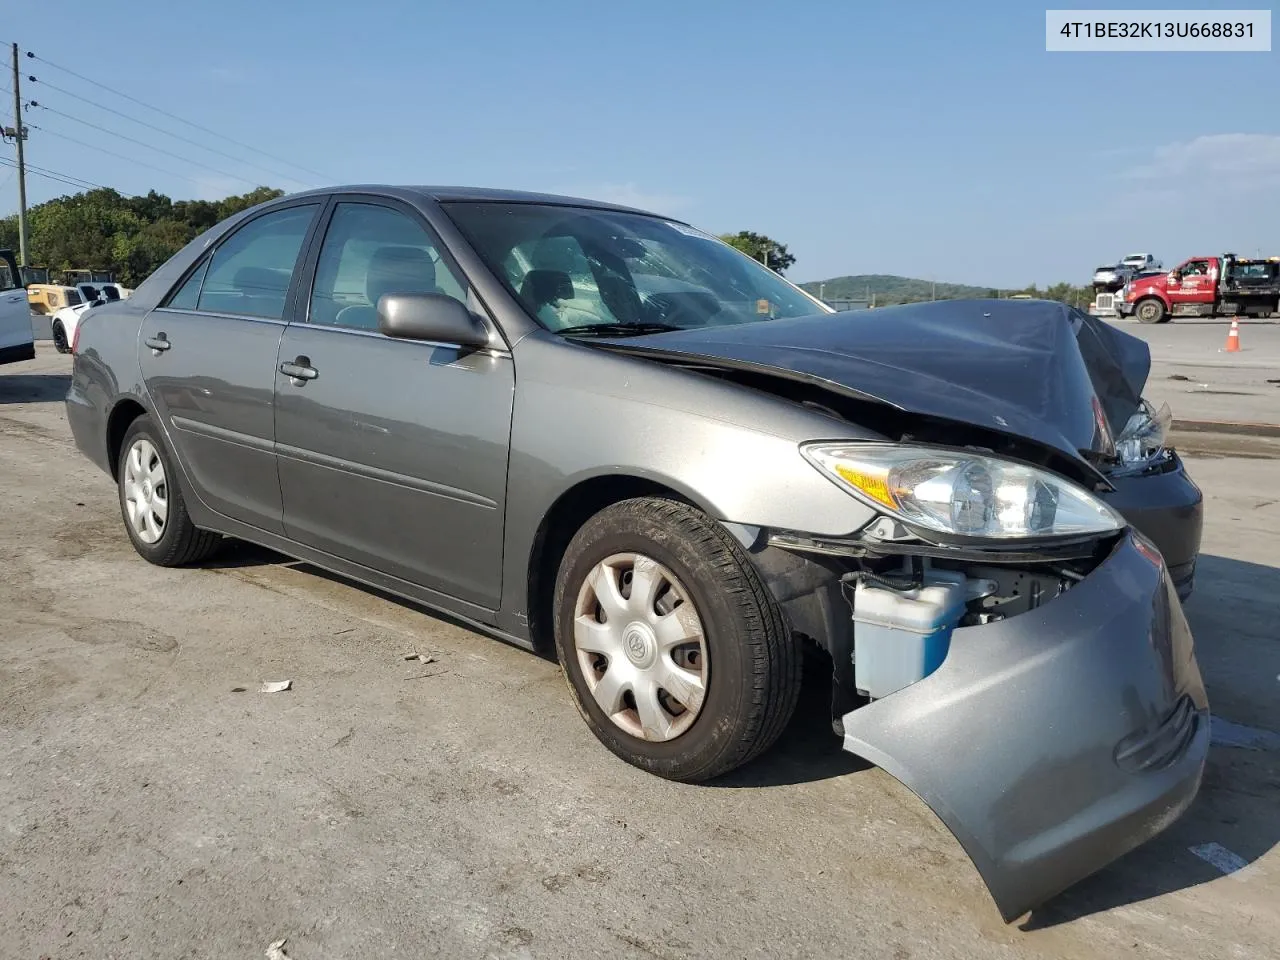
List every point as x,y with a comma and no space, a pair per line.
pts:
447,194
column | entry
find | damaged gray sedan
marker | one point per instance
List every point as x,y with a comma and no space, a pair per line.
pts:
587,428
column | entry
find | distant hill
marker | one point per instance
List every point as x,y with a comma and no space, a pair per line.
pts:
887,288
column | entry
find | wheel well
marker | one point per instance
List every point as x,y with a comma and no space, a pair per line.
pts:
124,413
565,518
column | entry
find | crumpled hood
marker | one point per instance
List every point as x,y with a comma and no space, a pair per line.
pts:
1032,368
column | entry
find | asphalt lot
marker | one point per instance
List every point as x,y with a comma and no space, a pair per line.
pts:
153,803
1193,373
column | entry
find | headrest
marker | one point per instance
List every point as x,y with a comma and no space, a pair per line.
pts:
262,281
399,270
546,286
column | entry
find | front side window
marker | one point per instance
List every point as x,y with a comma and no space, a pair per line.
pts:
250,272
1196,268
578,268
370,251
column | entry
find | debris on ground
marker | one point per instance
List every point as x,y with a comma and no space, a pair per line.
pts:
421,658
276,686
276,951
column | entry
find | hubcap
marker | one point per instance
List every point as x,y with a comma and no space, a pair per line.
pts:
146,493
641,648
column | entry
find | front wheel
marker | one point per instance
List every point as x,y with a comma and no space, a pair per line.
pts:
1151,310
677,655
155,515
60,338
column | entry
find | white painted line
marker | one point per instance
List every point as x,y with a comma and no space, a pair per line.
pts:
1224,733
1219,856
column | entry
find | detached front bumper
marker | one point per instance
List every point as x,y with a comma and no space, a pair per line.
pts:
1055,741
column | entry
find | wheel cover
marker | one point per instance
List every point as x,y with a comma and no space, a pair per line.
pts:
641,647
146,491
1149,311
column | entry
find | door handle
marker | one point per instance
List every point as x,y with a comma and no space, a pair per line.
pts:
299,371
158,344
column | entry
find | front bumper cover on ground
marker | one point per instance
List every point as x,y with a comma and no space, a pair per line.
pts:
1055,741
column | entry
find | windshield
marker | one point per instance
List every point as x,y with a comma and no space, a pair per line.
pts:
577,268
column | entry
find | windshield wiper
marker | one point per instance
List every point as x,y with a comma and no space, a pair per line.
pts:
616,329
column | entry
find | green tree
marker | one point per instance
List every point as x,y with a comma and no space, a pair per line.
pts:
759,247
132,236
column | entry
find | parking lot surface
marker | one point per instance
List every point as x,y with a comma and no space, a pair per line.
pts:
1192,371
155,803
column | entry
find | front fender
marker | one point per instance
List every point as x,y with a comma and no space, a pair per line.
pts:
582,412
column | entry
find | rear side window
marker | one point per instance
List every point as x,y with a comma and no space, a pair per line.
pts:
188,294
250,272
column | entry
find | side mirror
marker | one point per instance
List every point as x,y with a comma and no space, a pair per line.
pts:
430,316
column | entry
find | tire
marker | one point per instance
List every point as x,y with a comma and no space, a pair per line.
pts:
1151,310
177,541
750,664
60,338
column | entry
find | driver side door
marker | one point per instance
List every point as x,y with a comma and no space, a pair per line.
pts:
392,453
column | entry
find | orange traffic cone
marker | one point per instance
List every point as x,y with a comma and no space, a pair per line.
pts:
1233,337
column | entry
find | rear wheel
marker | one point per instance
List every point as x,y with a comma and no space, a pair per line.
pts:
676,653
60,338
1151,310
155,515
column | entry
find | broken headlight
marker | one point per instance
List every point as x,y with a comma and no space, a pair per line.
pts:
961,493
1143,438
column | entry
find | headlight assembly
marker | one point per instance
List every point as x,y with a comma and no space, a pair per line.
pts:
1144,436
963,494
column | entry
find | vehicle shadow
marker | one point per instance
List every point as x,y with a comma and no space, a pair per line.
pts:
233,554
1233,818
34,387
808,749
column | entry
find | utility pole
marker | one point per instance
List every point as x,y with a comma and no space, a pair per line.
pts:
18,133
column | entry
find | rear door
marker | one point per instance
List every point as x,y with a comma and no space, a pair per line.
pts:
393,453
208,358
16,341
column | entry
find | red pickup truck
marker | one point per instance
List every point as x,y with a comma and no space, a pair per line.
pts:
1225,286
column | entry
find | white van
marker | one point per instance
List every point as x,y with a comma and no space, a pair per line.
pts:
16,340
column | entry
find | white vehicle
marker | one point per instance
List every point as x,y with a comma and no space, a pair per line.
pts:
1111,276
1141,263
16,339
91,295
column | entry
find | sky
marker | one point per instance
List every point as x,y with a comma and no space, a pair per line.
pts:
935,140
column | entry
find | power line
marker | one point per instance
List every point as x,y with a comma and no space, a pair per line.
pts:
167,133
48,176
111,153
148,146
174,116
69,176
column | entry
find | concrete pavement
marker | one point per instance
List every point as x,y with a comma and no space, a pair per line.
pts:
1193,373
